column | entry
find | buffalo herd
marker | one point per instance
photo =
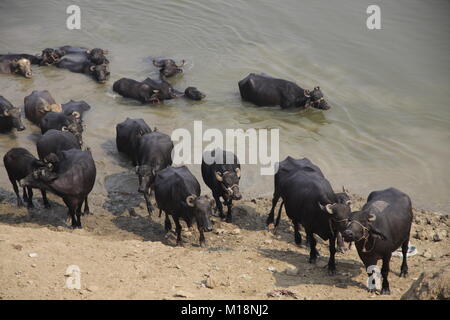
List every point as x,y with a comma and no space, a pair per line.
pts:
67,169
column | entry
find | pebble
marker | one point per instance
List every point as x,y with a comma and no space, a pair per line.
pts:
268,241
272,269
291,271
219,231
182,294
440,235
32,255
92,288
245,276
236,231
210,283
427,254
33,265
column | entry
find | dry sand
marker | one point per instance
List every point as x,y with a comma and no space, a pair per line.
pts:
123,256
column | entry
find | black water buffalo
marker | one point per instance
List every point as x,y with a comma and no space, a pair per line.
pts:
50,56
140,91
55,141
168,67
98,56
285,169
194,94
75,109
154,154
19,163
37,104
10,117
177,193
72,180
128,134
221,172
263,90
34,59
78,60
310,201
381,227
15,65
163,89
60,121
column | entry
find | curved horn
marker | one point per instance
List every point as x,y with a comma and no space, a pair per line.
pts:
372,217
64,128
182,63
6,113
76,114
328,207
238,172
92,68
190,200
307,93
218,176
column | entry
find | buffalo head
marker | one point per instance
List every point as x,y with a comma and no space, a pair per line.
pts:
338,213
229,181
316,99
360,227
146,176
97,56
22,66
51,56
202,206
15,115
100,72
193,93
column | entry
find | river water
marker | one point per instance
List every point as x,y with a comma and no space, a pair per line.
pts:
389,88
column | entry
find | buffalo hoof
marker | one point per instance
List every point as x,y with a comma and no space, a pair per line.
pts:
271,227
313,260
331,272
403,274
47,205
385,291
203,245
228,219
180,244
30,206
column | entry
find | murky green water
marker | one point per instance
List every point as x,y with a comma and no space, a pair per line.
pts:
389,88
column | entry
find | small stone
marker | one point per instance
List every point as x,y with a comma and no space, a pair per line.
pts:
219,231
440,235
291,271
178,266
32,255
17,247
188,233
272,269
33,265
268,241
427,254
92,288
245,276
210,283
30,282
236,231
182,294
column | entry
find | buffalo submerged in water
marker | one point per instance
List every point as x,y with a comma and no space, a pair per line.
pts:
264,90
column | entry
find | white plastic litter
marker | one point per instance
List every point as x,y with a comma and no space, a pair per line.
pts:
412,251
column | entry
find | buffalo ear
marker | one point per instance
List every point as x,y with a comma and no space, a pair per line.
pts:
190,200
238,172
327,208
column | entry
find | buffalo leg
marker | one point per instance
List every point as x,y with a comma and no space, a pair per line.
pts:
30,197
384,273
312,244
269,221
404,267
278,216
229,206
219,205
297,235
178,230
16,190
44,199
167,224
341,243
202,237
86,207
24,194
331,261
148,203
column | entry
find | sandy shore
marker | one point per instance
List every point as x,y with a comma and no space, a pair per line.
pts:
126,256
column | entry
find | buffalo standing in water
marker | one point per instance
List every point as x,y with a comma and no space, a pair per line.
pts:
10,117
